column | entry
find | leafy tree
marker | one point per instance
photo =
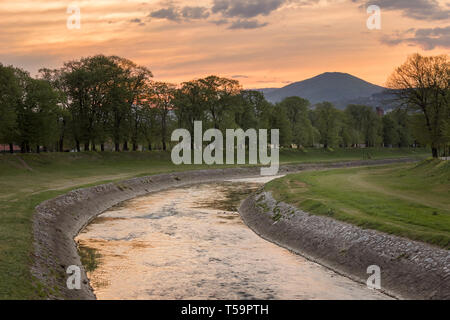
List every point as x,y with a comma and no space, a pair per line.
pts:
100,94
254,111
363,125
220,96
37,114
161,98
328,123
422,85
10,95
403,124
390,131
301,127
280,120
189,105
130,84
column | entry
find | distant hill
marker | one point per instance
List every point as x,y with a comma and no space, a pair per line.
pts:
339,88
385,99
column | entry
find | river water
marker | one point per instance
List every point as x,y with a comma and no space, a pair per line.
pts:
190,243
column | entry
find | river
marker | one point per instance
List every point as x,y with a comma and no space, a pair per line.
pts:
190,243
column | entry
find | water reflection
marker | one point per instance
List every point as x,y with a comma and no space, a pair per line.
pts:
189,243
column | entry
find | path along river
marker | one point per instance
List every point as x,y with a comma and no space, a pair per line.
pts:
190,243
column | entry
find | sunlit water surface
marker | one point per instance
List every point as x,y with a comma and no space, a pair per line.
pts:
180,244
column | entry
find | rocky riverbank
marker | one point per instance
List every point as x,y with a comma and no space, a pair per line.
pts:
409,269
56,222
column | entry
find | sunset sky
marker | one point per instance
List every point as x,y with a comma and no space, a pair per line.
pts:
261,43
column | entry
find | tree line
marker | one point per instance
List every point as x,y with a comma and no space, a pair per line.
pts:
102,102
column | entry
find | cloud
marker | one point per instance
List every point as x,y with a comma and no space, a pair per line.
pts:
427,38
416,9
246,24
219,22
137,21
239,76
246,8
241,10
221,12
177,14
195,12
170,13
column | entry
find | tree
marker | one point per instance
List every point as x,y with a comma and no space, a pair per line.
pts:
390,131
130,84
101,94
363,125
301,127
220,96
280,121
86,83
161,98
422,85
189,105
253,111
10,95
400,121
65,119
328,122
37,113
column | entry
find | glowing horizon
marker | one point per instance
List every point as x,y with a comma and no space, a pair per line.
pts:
265,43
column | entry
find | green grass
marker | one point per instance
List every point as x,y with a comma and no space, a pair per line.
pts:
411,201
27,180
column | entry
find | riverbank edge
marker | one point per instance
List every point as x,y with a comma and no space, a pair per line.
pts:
409,269
56,222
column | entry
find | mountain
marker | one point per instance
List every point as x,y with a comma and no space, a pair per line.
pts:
338,88
385,99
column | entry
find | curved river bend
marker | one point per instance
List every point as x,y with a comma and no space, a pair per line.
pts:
190,243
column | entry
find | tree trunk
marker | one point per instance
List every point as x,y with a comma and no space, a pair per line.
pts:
125,146
149,147
164,145
86,146
61,145
135,147
78,146
11,148
117,147
38,149
102,147
435,152
94,147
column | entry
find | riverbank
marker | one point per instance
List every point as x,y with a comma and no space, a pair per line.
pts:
409,269
57,221
406,200
26,180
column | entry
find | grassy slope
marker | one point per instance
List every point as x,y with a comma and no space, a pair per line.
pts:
407,200
27,180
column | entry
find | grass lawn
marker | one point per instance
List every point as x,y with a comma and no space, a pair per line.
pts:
410,200
27,180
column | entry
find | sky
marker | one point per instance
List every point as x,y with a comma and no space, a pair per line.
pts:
261,43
